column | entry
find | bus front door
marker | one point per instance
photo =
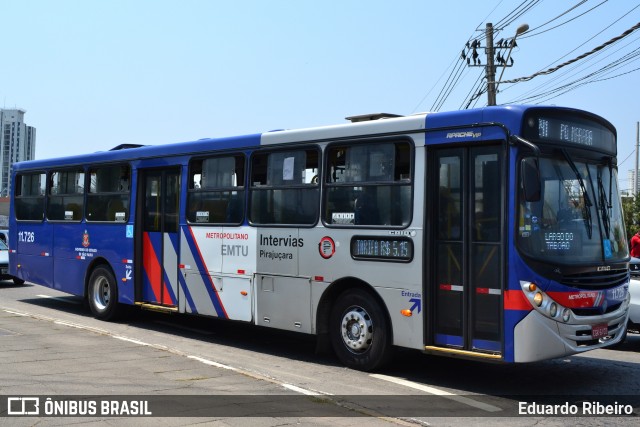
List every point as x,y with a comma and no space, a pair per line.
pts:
465,265
159,198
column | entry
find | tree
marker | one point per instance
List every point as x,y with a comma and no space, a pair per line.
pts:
631,212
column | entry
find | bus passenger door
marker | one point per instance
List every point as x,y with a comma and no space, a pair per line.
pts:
158,239
465,263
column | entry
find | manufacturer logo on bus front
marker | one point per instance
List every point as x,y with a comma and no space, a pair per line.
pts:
468,134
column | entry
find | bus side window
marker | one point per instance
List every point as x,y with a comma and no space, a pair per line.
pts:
108,196
284,187
368,184
29,197
216,190
66,195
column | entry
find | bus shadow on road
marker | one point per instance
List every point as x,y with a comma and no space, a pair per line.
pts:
244,336
5,284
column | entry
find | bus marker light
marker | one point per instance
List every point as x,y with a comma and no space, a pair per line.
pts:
244,293
240,271
319,278
532,287
124,279
553,309
406,312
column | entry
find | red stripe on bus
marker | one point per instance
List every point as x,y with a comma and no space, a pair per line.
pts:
445,287
515,300
580,299
152,267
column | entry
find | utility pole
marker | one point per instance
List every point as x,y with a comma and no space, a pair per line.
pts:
491,69
635,171
470,54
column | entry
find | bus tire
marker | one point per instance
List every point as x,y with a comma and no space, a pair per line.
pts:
359,331
103,294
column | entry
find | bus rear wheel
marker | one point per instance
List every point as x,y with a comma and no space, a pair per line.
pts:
103,294
359,331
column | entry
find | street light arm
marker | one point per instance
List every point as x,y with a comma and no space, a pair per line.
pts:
521,29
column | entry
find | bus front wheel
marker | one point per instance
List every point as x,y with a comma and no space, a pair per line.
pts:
103,294
360,333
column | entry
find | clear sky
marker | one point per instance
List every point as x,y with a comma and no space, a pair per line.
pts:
95,74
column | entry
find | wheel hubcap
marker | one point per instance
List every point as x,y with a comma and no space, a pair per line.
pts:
101,293
357,329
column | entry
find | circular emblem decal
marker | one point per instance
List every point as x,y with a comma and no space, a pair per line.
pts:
327,247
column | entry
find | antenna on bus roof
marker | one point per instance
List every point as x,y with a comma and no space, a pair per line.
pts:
373,116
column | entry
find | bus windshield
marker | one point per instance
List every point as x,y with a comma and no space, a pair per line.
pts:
578,218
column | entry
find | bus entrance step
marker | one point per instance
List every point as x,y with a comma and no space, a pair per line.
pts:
157,307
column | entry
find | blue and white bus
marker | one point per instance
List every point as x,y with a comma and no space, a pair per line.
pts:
494,233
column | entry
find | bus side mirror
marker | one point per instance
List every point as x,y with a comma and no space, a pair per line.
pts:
530,179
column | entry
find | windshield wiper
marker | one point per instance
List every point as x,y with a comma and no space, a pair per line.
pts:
586,210
605,206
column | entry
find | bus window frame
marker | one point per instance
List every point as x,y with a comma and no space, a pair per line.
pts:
88,194
370,141
291,147
43,196
49,195
243,187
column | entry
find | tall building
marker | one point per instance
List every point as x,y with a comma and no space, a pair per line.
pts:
630,177
17,143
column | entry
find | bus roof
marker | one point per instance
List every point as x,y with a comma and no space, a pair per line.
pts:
510,116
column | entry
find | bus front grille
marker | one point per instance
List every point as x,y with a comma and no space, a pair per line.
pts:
597,280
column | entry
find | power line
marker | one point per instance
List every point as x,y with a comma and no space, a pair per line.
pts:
607,69
558,80
556,68
571,51
559,16
565,22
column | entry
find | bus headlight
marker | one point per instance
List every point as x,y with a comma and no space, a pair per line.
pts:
537,299
543,303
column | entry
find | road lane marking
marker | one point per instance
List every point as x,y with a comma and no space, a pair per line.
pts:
302,390
432,390
83,327
17,313
212,363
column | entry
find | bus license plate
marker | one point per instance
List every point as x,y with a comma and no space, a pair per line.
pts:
599,331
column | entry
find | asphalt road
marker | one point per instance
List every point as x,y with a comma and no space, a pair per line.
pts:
189,370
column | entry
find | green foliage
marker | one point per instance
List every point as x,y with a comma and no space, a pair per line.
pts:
631,211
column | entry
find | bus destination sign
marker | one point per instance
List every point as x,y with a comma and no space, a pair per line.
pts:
571,130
